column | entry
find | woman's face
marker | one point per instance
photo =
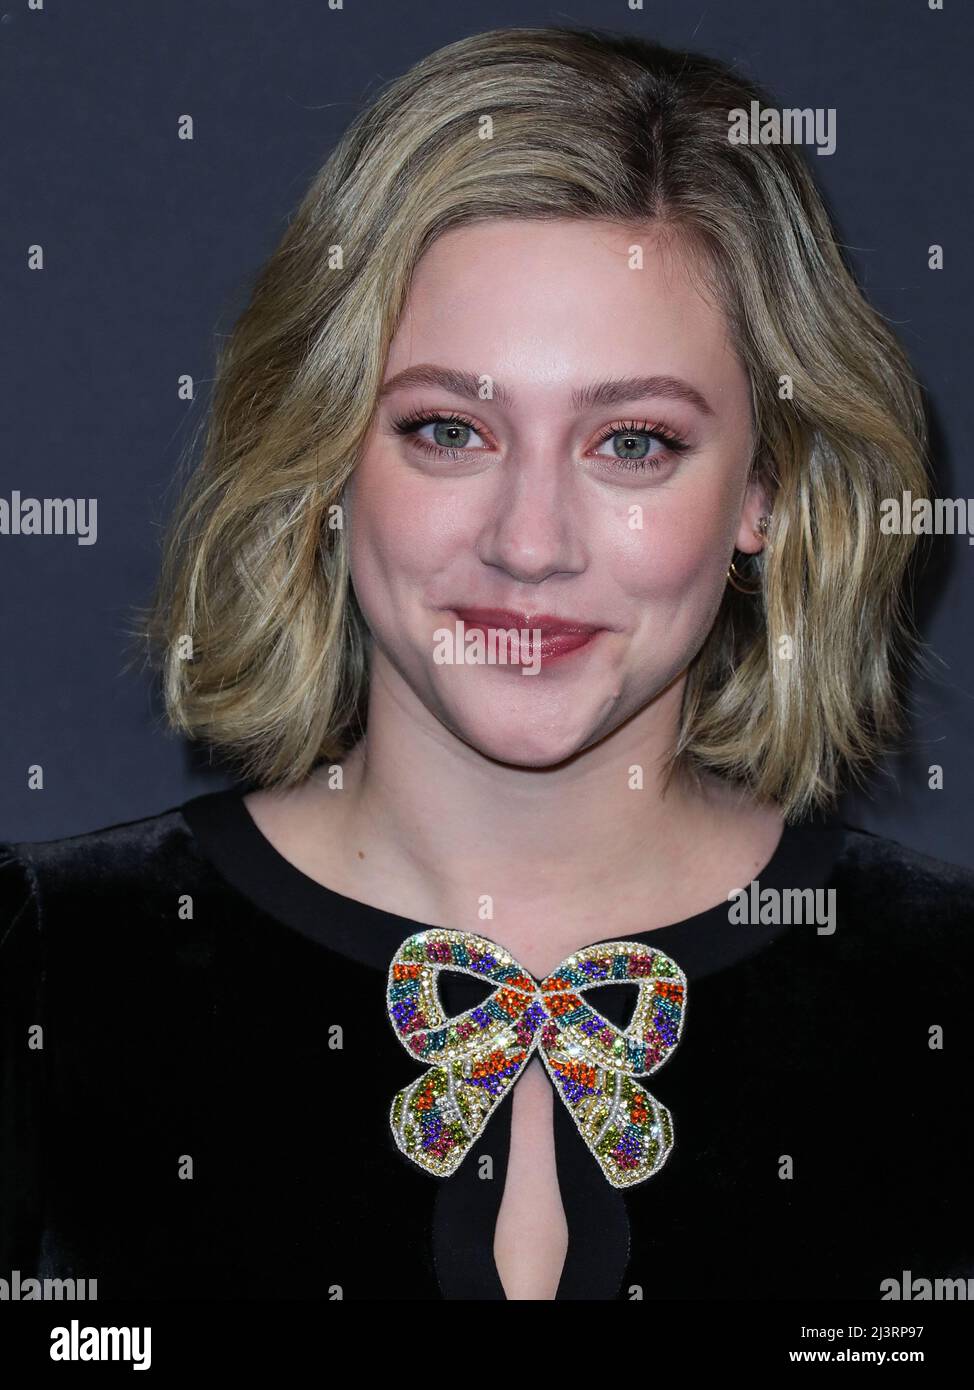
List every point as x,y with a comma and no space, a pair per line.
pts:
542,486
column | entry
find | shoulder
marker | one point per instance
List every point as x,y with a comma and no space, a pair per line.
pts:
903,904
95,873
111,844
19,918
910,881
18,889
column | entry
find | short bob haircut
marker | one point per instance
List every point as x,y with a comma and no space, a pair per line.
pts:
795,685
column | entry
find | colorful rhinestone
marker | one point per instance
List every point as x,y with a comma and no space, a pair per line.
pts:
476,1057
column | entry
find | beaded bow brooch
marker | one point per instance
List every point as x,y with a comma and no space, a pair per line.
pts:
475,1058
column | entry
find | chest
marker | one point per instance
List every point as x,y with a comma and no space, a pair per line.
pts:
788,1160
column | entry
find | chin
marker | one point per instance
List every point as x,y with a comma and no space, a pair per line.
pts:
514,742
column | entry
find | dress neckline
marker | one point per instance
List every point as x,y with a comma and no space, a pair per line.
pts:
702,944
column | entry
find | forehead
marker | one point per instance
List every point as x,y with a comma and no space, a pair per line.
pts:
548,299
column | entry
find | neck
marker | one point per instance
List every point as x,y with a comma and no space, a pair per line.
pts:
426,826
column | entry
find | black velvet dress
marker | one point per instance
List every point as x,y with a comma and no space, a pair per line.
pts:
206,1111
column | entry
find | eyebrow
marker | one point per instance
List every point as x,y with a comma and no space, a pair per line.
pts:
601,393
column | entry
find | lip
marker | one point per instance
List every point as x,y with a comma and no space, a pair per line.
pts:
559,636
509,617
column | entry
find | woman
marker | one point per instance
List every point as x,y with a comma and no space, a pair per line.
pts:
533,575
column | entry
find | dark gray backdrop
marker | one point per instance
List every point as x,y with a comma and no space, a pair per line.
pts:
150,242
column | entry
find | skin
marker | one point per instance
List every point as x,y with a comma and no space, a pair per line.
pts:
478,779
535,523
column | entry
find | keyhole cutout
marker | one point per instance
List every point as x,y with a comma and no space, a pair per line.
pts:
531,1234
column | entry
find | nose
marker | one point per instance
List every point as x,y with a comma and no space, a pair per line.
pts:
536,523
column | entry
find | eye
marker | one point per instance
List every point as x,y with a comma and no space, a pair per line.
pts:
450,433
632,441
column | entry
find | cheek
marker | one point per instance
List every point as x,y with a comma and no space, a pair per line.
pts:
398,533
677,556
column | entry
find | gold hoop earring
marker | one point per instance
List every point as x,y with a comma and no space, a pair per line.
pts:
734,576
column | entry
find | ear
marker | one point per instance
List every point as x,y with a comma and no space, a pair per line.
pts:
757,503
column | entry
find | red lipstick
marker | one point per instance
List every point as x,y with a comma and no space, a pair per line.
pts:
559,636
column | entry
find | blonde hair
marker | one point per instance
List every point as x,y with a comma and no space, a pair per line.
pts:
584,125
